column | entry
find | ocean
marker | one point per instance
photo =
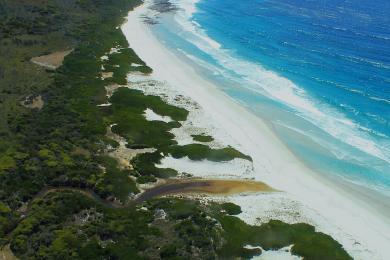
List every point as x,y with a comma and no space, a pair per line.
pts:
317,72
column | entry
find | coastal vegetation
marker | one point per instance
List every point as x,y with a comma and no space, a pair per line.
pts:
203,138
214,226
65,144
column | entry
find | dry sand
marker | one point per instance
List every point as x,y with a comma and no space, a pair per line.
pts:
51,61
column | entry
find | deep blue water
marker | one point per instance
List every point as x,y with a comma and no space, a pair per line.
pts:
318,71
337,50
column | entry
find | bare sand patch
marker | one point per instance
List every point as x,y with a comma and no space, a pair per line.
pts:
110,89
6,253
150,115
106,75
33,102
122,154
51,61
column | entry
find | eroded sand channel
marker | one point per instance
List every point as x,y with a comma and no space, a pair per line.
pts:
200,186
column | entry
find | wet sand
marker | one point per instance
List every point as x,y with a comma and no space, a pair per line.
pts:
199,186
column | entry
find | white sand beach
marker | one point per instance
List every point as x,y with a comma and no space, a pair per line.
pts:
304,198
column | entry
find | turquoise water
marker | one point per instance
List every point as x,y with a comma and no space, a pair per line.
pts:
317,71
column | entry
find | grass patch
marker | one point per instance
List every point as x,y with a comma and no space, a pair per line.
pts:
231,208
200,152
203,138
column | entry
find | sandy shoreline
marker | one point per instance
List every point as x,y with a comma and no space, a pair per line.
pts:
340,216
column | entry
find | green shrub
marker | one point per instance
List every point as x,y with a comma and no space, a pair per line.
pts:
203,138
200,152
231,208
